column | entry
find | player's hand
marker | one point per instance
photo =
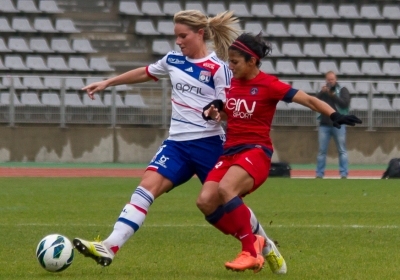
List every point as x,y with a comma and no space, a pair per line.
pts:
212,113
339,119
95,87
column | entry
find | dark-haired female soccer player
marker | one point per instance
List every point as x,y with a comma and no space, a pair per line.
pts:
249,109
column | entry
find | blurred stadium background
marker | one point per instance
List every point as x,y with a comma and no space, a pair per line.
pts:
49,49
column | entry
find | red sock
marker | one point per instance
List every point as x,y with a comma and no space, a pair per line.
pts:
238,216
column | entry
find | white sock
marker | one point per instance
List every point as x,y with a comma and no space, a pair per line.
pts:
258,229
130,219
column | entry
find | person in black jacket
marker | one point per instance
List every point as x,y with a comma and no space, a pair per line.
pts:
338,98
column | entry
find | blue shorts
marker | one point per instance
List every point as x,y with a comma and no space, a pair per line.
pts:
178,161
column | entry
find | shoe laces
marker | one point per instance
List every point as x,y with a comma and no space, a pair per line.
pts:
273,260
97,238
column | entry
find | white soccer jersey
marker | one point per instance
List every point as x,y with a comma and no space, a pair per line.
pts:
195,83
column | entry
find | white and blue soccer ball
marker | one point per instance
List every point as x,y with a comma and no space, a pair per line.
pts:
55,252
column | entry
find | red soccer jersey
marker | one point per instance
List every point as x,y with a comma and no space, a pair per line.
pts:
250,106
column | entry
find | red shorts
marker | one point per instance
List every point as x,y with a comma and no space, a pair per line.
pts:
254,161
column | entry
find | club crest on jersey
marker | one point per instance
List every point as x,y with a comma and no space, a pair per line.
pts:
254,91
205,76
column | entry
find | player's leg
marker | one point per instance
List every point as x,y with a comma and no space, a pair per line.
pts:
339,135
323,142
167,169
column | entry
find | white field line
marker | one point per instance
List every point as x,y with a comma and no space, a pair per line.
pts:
202,225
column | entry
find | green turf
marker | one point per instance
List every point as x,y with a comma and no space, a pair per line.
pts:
327,229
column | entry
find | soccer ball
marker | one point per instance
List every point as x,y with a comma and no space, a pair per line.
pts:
55,252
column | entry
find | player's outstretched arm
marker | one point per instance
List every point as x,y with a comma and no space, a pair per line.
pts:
138,75
324,108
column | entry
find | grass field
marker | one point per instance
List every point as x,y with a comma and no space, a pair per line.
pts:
326,229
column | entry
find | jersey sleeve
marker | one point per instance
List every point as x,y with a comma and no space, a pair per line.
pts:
222,80
158,69
281,91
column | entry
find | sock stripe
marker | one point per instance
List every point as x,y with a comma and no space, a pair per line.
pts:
143,194
139,208
233,204
216,215
257,228
129,223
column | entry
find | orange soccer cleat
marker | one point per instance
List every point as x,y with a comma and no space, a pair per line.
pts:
245,261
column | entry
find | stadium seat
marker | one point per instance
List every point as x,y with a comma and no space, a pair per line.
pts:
5,26
396,103
349,86
395,50
74,83
341,30
135,100
145,27
378,50
165,27
254,27
52,82
161,46
261,10
267,67
275,52
78,63
33,82
118,100
327,11
348,11
7,6
391,12
371,68
385,30
61,45
83,46
18,44
27,6
359,104
16,82
386,87
2,66
14,62
363,30
73,100
100,64
370,12
286,67
297,106
3,47
129,8
50,7
36,62
195,5
325,66
335,50
66,26
320,29
356,50
298,29
307,67
240,9
276,28
50,99
5,99
90,80
39,45
303,85
214,8
381,104
313,49
170,8
304,10
364,87
391,68
350,68
57,63
96,102
44,25
30,98
281,105
292,49
22,24
151,8
282,10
